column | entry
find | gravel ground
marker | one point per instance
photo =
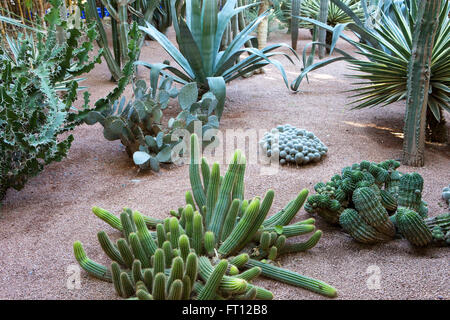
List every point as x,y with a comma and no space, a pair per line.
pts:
40,223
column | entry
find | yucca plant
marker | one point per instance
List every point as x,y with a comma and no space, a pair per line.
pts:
199,36
386,49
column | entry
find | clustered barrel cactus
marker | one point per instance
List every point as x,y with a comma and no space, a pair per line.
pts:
202,251
446,194
374,202
296,146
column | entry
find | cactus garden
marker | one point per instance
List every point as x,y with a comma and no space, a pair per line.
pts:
224,150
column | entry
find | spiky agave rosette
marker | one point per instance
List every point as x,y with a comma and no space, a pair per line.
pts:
210,249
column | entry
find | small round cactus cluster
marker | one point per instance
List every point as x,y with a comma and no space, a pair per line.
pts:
293,145
446,194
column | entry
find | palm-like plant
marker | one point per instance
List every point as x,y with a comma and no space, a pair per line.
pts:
387,51
199,36
311,9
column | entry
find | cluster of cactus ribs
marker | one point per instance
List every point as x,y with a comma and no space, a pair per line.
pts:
374,202
212,248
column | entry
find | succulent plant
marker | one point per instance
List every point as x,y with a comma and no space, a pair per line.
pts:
375,203
446,194
138,124
225,232
297,146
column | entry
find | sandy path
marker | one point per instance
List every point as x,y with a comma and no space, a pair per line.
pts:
39,224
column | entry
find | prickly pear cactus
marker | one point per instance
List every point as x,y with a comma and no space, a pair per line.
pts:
138,123
228,239
295,146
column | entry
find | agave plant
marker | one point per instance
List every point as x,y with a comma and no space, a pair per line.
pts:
386,49
199,35
311,9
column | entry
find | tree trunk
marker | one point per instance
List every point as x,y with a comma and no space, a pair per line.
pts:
295,11
418,84
323,15
262,29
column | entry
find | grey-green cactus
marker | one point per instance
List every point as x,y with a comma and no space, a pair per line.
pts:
137,124
250,235
292,145
446,194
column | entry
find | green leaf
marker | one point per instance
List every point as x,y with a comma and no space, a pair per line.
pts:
140,157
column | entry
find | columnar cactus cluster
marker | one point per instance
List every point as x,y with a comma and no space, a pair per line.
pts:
296,146
375,202
212,248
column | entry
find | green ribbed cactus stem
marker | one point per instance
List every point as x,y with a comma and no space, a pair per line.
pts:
442,221
194,173
127,225
174,232
126,285
233,270
273,252
388,201
159,262
228,284
191,269
206,173
136,271
410,191
323,15
292,230
189,214
209,243
280,243
148,278
197,233
213,282
230,219
266,204
198,287
142,295
159,286
115,275
412,227
264,241
109,248
372,211
168,253
166,224
250,294
354,224
224,197
240,260
293,278
177,270
160,234
307,221
138,251
175,290
108,217
293,208
250,274
241,230
148,243
392,183
239,186
271,221
244,206
261,293
187,288
183,244
140,285
125,252
190,199
212,192
302,246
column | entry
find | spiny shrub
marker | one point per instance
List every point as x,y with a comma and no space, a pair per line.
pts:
297,146
227,233
38,87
